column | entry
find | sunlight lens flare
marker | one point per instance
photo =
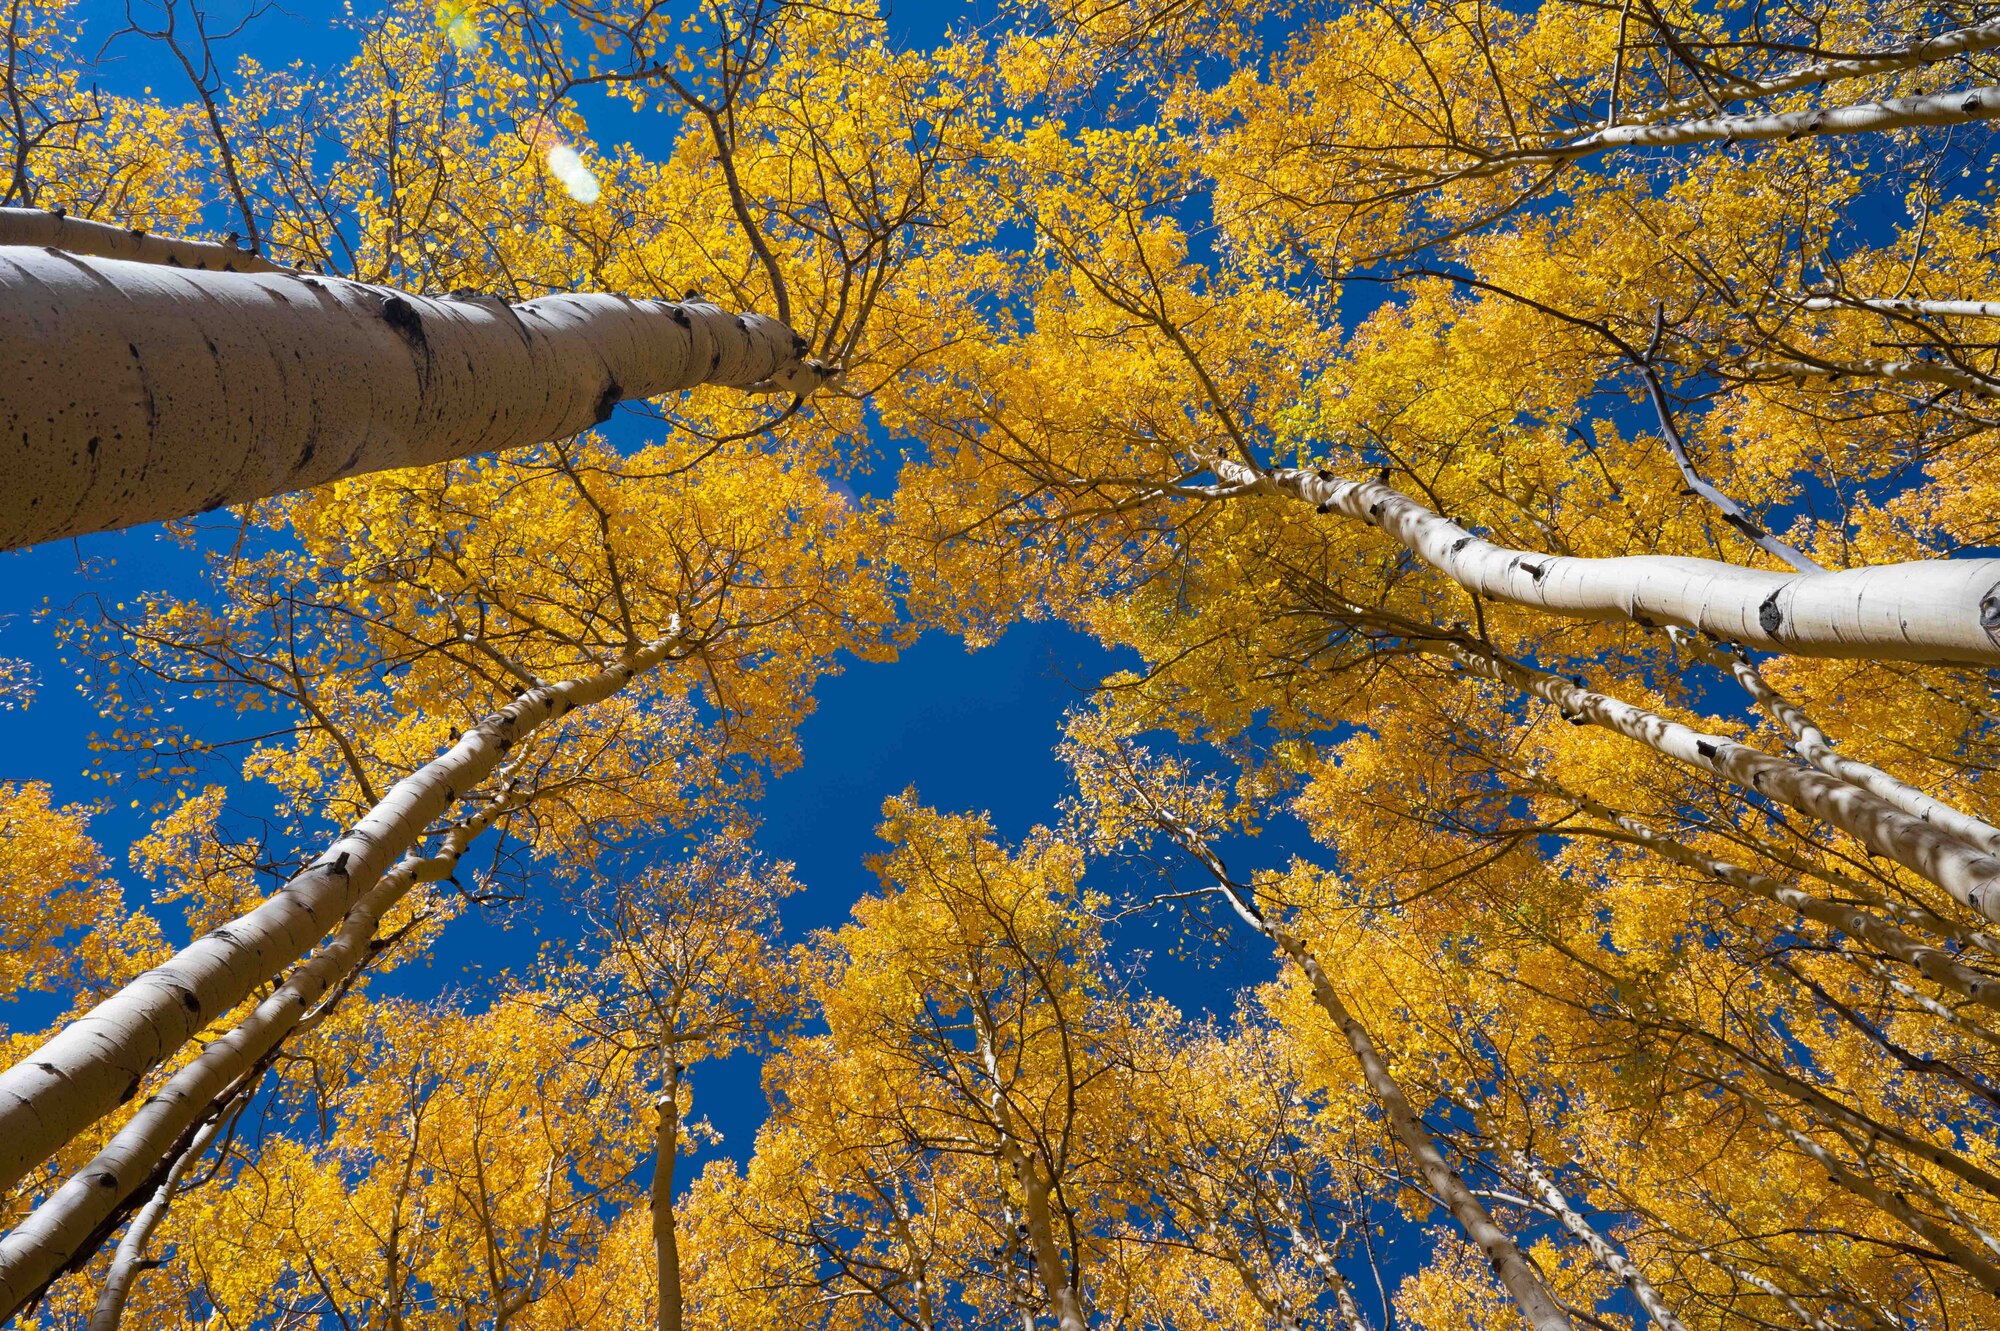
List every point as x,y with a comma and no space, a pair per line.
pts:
565,163
455,20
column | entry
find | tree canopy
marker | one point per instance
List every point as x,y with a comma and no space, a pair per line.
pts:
1534,473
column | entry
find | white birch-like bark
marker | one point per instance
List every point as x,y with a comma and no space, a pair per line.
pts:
97,1061
1970,309
1903,371
1026,1163
1939,966
138,391
1814,746
51,228
1945,108
1929,51
1889,1200
1971,877
1351,1316
1925,610
1515,1272
128,1260
1805,1315
1606,1253
40,1245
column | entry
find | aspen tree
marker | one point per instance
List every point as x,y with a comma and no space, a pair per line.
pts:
688,971
235,387
1117,776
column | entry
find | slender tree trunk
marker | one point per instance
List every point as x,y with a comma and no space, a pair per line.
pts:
666,1239
1927,610
140,391
1971,877
1974,309
1945,108
1025,1160
1940,966
1516,1274
37,1248
129,1259
1895,371
54,229
99,1060
1814,746
1607,1255
1926,51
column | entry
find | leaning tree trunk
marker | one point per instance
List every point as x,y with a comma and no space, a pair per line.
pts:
1518,1275
102,1058
137,391
1926,610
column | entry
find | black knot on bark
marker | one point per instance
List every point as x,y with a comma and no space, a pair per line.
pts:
402,316
1769,617
1705,749
607,402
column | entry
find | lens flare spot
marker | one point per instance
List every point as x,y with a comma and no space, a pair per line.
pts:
455,20
566,165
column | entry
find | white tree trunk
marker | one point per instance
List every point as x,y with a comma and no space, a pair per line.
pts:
130,1257
1607,1255
1972,309
1940,966
1926,610
1944,108
1814,746
39,1246
140,391
1026,1161
1892,371
1516,1274
53,229
1971,877
100,1059
1928,51
1522,1281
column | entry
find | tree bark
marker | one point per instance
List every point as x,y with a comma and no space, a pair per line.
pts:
40,1246
1025,1160
1853,921
1971,877
1970,309
1814,746
1926,610
666,1239
99,1060
1520,1278
1516,1274
141,391
53,229
1608,1256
